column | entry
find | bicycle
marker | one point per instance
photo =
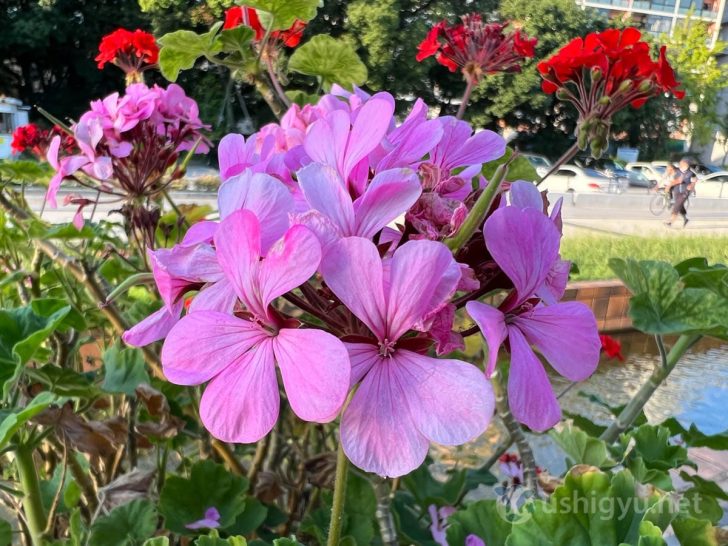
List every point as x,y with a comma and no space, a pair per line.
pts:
662,202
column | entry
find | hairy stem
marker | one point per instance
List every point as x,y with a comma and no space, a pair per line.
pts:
565,158
530,478
337,507
227,455
387,528
32,505
479,211
660,373
466,98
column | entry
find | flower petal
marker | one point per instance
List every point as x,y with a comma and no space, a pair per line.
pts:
241,404
492,324
326,139
265,196
218,296
324,190
525,244
315,370
377,432
371,124
289,263
203,344
233,155
153,328
352,269
525,194
389,195
530,395
237,243
449,401
423,276
567,335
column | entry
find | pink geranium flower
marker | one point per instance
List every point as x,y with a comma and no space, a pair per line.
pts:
405,399
237,353
525,244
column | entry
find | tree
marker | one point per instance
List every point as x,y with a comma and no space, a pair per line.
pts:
48,50
696,64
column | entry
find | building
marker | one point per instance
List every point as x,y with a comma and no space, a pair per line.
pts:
660,17
12,115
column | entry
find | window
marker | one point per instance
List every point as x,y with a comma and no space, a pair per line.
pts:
566,172
6,123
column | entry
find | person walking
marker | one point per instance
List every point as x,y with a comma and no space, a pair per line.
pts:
681,186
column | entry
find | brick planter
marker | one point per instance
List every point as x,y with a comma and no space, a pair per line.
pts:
608,299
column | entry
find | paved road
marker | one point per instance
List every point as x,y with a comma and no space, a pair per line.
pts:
626,214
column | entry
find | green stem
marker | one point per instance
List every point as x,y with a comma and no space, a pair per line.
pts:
480,209
32,505
337,508
660,373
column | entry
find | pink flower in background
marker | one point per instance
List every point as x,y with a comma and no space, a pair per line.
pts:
405,399
525,244
237,353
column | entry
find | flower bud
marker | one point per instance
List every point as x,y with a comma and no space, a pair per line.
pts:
596,75
562,94
645,86
624,86
582,138
605,100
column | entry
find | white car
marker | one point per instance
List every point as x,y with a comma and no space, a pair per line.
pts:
540,163
712,185
570,178
650,171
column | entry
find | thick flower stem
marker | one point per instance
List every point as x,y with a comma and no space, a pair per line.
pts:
337,507
530,478
478,212
565,158
387,527
660,373
32,504
466,98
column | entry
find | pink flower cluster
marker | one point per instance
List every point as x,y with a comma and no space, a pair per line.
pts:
128,142
328,264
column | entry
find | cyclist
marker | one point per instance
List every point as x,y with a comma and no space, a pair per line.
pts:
681,186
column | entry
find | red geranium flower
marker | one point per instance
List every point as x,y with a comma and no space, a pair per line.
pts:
32,139
602,74
243,15
611,347
133,52
476,48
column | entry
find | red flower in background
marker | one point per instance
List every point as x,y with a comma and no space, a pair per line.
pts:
602,74
611,347
133,52
243,15
32,139
476,48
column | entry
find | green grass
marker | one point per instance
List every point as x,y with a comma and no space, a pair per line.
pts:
592,253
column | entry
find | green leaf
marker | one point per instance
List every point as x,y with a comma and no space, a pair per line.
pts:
6,533
582,448
249,519
12,422
214,540
301,97
519,169
694,532
185,500
484,519
237,40
286,542
662,305
652,443
24,171
126,525
283,13
360,507
694,437
330,59
63,381
45,307
123,370
21,333
180,50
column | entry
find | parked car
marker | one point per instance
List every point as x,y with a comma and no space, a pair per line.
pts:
649,170
540,162
639,180
712,185
572,178
609,168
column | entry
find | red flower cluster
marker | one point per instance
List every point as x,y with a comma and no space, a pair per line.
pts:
476,48
603,73
611,347
243,15
32,139
133,52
